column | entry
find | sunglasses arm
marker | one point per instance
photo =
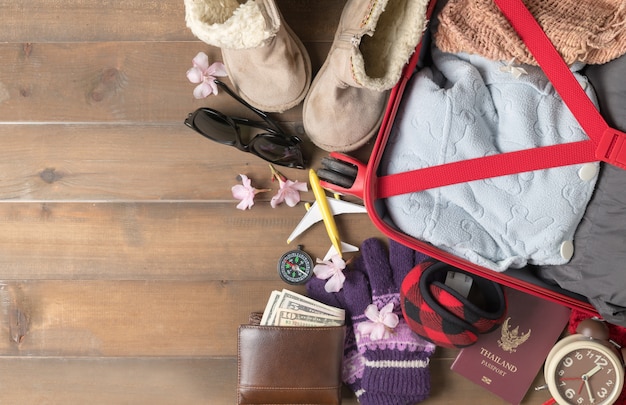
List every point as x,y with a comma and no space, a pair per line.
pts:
258,112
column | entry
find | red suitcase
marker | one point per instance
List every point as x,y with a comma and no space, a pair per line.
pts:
604,144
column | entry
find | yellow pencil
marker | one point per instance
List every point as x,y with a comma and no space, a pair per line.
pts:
327,215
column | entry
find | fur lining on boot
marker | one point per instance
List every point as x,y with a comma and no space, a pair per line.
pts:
394,28
226,24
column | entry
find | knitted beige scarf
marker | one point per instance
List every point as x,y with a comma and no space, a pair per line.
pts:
589,31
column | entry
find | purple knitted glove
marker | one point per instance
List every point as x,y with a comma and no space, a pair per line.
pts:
354,297
396,365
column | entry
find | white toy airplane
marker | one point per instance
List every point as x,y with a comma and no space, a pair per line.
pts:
314,215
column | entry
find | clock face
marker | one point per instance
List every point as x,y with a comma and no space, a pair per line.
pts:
295,267
584,372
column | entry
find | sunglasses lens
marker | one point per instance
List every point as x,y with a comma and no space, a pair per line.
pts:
271,144
277,150
214,126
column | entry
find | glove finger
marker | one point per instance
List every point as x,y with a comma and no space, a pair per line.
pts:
354,296
315,289
377,267
403,259
357,292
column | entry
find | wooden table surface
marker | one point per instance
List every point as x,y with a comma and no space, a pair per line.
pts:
125,268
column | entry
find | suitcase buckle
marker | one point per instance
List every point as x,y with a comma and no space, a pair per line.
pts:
612,147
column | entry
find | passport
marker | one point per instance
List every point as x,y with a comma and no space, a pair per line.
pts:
507,360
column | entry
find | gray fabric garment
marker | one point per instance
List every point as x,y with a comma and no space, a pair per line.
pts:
598,268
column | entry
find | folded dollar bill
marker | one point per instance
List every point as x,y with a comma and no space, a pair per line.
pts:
287,308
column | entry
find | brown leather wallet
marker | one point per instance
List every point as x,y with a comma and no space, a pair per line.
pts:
289,365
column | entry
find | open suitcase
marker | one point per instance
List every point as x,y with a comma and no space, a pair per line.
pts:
604,144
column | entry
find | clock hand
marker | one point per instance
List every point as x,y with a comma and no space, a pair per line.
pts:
586,380
592,371
582,383
580,389
585,377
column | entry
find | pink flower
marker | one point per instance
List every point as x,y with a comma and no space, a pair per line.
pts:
288,192
204,74
381,322
331,270
245,192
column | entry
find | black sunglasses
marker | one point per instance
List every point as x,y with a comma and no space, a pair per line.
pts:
273,144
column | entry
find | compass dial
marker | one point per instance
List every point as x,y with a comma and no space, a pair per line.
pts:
295,267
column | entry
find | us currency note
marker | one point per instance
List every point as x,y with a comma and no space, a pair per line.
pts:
291,296
293,318
270,307
286,308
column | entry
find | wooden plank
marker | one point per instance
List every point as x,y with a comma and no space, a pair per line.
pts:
175,381
98,82
109,82
92,20
128,162
137,241
103,381
32,21
128,318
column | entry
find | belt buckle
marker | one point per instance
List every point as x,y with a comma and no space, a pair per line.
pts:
612,147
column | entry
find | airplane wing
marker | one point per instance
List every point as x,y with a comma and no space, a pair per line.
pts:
313,215
345,247
338,206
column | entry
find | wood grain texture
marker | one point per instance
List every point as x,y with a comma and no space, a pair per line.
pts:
99,82
149,241
166,381
106,381
109,162
129,318
37,21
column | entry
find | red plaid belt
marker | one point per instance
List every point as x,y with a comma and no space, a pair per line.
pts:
443,316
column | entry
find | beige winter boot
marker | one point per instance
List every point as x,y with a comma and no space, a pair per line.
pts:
265,61
374,40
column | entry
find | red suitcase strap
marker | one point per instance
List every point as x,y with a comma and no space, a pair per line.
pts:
608,141
606,144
